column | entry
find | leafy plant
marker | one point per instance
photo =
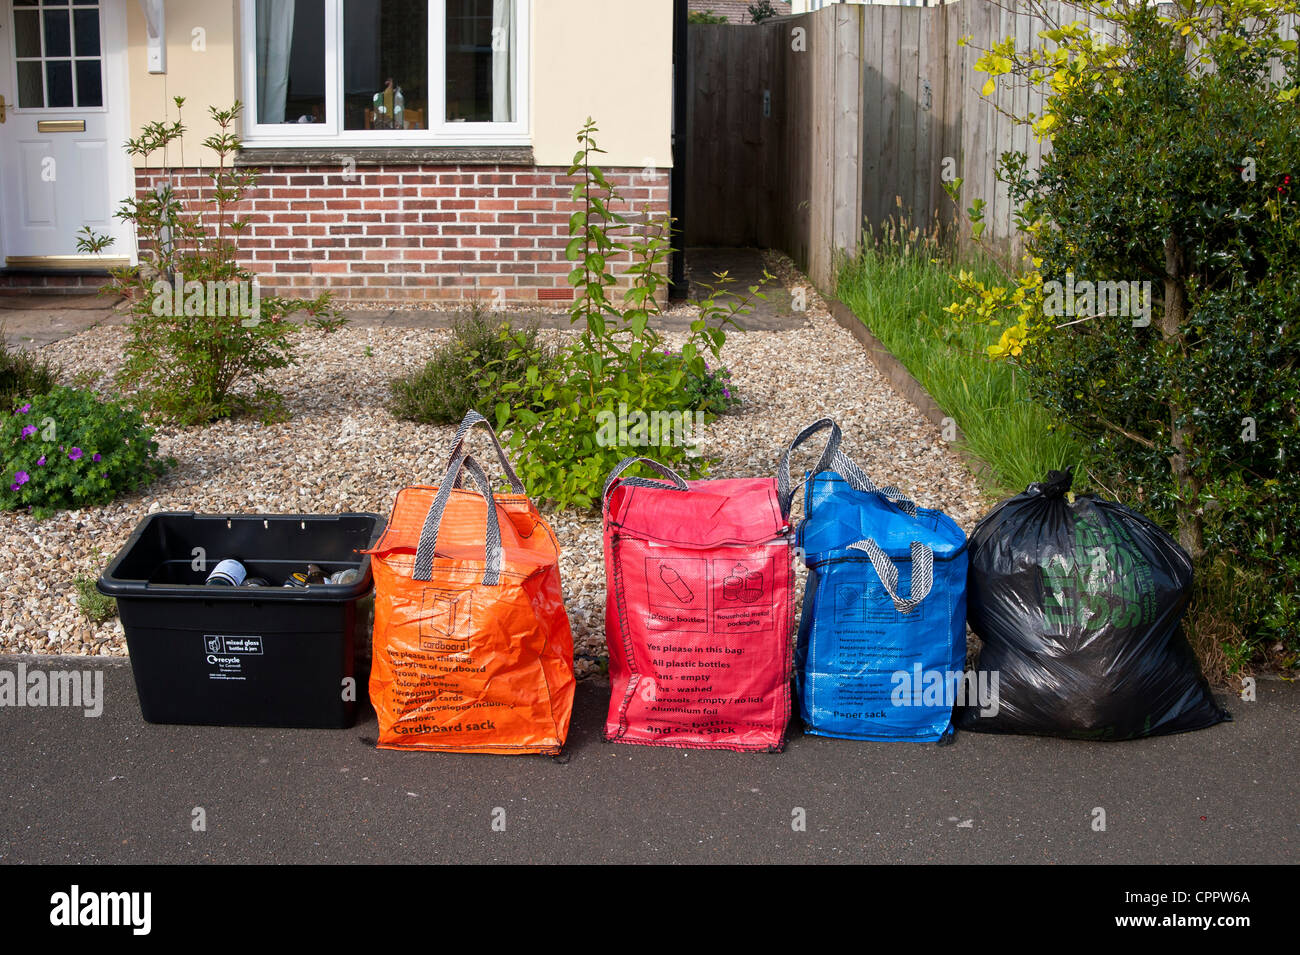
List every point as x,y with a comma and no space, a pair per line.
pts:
467,372
761,10
71,449
705,16
202,331
1172,160
711,391
572,422
96,607
23,374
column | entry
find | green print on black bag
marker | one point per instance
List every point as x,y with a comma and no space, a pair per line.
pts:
1078,604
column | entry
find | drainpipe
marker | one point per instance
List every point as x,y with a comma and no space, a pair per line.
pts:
677,288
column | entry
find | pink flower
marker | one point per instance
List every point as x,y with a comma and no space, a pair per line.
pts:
25,408
29,431
40,462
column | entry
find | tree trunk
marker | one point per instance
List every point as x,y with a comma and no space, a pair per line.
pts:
1190,530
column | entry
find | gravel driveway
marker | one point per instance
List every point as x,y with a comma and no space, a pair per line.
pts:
342,451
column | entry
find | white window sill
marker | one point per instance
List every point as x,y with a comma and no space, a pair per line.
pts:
336,154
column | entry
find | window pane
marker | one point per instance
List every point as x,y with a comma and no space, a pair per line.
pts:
86,24
480,43
291,61
27,33
58,35
31,88
90,88
58,83
385,64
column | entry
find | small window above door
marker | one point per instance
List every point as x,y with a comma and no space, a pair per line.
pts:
58,54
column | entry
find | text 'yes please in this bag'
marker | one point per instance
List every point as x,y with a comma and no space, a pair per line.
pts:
698,613
882,638
472,648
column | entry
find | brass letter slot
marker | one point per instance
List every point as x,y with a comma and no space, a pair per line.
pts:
61,126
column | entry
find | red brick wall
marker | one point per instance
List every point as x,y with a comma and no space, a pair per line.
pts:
397,233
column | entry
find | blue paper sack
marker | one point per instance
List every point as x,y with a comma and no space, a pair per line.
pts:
882,636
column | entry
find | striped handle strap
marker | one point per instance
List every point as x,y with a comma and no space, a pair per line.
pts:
859,481
493,552
678,483
471,421
784,485
922,572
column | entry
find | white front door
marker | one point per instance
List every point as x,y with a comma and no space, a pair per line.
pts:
62,165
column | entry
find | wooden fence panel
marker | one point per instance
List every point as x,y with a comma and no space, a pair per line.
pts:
867,107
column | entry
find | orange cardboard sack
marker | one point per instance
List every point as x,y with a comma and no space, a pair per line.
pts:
472,648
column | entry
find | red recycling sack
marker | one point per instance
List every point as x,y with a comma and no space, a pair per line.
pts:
698,613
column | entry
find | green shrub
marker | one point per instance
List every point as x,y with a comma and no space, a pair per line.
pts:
96,607
202,333
453,382
709,391
23,375
570,423
70,449
1172,160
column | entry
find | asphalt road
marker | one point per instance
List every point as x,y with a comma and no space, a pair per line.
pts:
114,789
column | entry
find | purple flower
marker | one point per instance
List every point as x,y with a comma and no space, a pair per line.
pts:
74,454
40,462
25,408
95,458
29,431
20,478
726,392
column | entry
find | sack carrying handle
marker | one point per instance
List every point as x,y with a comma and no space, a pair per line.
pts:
859,481
472,420
493,552
833,459
678,483
887,570
784,486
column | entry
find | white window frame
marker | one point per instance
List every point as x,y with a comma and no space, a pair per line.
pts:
440,132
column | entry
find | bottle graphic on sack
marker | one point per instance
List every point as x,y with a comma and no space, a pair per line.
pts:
742,584
674,582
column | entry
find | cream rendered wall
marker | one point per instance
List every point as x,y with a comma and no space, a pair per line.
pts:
611,60
608,59
205,78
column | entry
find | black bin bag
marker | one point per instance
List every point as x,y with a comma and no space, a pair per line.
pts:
1079,606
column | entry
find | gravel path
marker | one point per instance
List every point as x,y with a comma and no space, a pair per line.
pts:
342,451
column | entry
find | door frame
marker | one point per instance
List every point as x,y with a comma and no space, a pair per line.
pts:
120,178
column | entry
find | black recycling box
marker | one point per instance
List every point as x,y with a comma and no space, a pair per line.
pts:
242,656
